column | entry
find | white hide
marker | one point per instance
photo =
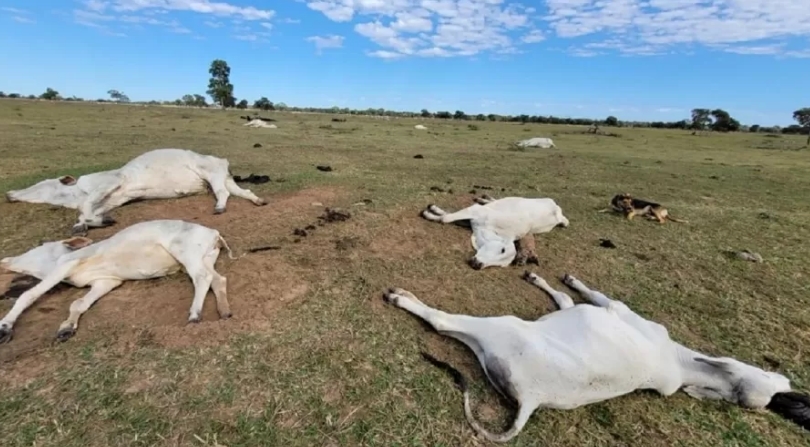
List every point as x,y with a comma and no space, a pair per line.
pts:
144,250
419,127
497,224
543,143
157,174
582,354
260,123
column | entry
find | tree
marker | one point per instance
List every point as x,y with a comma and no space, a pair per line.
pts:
701,118
118,96
754,128
480,117
281,106
50,94
243,104
459,115
723,122
611,121
802,116
220,88
263,104
425,113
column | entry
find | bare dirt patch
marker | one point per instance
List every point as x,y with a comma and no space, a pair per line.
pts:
258,284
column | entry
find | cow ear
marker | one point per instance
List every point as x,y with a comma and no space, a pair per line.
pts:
77,242
67,180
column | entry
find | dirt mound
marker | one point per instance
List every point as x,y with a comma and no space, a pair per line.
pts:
155,311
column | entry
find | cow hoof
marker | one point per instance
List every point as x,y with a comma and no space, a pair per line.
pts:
527,275
9,199
65,334
260,203
108,221
568,279
219,210
6,334
194,319
390,296
226,316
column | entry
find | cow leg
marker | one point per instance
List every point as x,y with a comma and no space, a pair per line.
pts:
30,296
526,251
92,213
219,284
238,191
464,328
99,288
436,214
562,299
594,296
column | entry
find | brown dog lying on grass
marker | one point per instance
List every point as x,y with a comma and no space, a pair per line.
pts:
631,207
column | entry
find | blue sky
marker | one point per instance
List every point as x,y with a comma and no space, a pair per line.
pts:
635,59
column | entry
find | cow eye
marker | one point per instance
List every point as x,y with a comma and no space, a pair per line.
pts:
503,250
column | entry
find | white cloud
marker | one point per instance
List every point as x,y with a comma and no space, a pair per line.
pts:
654,26
630,27
431,28
13,10
323,42
106,14
26,20
222,9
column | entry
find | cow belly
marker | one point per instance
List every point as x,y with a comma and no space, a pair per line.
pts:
157,184
148,262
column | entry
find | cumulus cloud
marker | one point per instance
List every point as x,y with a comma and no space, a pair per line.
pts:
199,6
323,42
632,27
432,28
104,14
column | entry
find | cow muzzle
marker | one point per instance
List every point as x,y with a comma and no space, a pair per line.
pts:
9,198
476,264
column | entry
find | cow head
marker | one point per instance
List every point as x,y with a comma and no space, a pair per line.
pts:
40,260
736,382
492,249
61,191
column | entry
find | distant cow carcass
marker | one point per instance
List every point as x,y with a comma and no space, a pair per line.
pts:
543,143
419,127
146,250
157,174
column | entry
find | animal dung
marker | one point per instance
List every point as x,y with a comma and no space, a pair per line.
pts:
436,189
333,215
252,178
257,145
264,248
324,168
419,156
606,243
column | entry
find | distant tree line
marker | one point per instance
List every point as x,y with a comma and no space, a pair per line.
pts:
220,90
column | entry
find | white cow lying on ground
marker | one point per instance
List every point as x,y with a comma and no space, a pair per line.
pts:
157,174
541,142
497,224
141,251
584,354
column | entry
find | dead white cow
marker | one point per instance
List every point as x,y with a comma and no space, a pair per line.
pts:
583,354
260,123
419,127
497,223
144,250
157,174
541,142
